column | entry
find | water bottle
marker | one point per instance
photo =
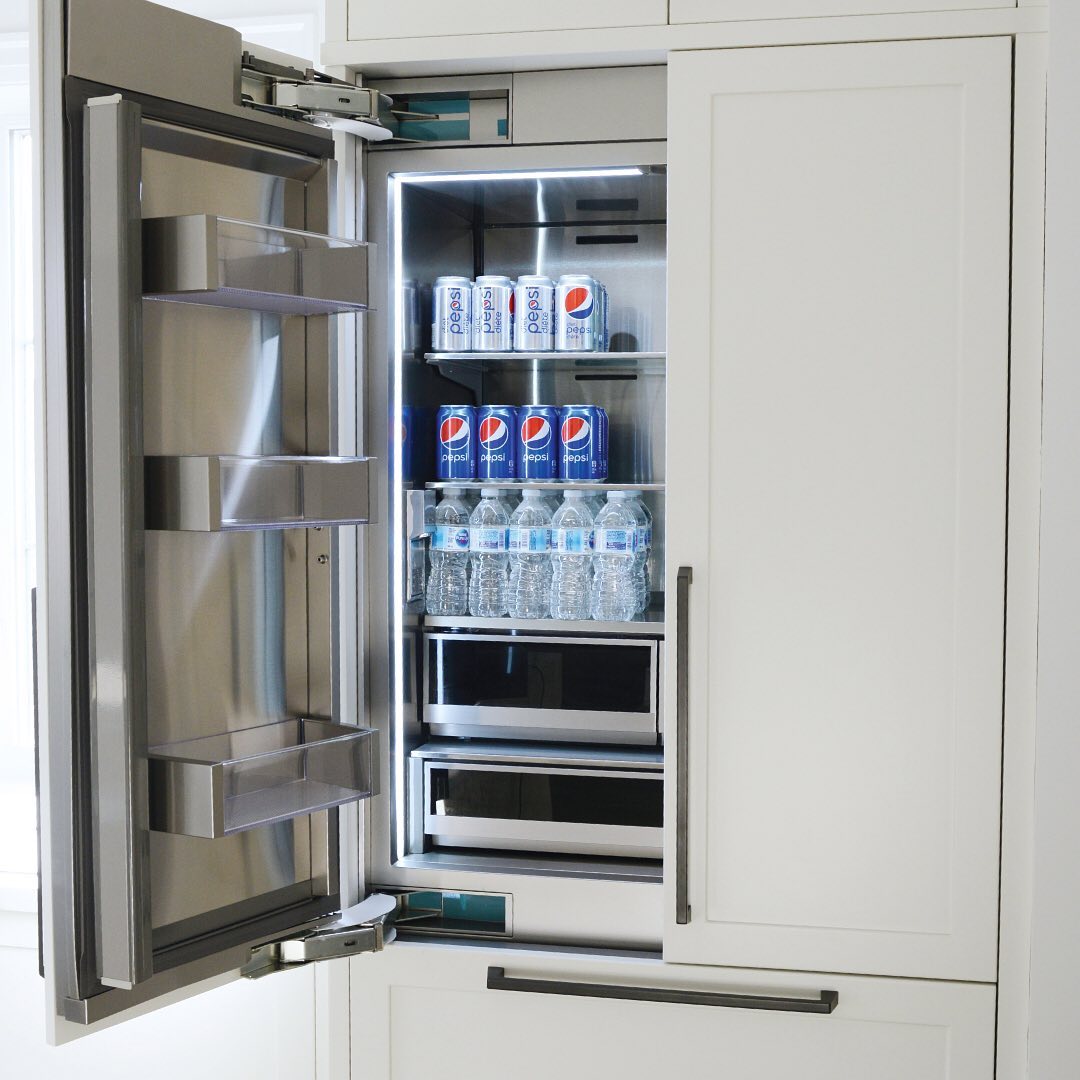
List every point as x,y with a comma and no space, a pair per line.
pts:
447,584
643,549
530,558
614,593
571,557
487,556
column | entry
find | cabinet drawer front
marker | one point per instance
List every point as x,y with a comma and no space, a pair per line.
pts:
880,1028
426,18
693,11
839,292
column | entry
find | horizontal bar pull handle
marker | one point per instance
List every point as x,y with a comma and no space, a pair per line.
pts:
825,1002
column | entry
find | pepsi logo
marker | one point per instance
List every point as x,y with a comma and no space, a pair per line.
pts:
454,432
576,433
494,433
578,302
535,432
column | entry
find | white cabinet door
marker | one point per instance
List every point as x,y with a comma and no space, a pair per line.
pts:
692,11
423,1011
839,297
371,19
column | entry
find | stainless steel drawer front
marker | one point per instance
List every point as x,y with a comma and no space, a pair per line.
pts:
526,687
606,812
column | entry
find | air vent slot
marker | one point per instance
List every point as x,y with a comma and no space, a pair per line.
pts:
631,239
593,205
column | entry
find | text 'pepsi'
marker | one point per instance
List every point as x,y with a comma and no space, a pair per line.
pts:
496,442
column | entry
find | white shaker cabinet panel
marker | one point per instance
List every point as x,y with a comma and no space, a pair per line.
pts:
695,11
428,18
420,1011
839,297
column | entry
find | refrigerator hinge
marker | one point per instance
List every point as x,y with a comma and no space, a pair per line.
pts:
366,927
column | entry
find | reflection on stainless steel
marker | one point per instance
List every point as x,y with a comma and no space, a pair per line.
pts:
223,493
223,784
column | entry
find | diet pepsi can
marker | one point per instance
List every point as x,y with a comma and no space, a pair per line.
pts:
456,428
538,442
534,314
451,314
493,304
496,442
605,333
577,314
405,443
581,456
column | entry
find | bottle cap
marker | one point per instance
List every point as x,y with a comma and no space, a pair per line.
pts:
573,493
489,493
614,495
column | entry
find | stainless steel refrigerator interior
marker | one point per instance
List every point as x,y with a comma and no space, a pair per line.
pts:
525,754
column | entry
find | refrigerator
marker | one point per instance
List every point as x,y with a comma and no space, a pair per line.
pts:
257,749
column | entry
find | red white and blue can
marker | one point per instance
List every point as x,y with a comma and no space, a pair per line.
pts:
451,314
496,442
581,453
534,314
603,418
493,306
538,442
578,314
405,443
455,426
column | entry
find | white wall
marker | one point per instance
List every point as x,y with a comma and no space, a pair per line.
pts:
1054,1044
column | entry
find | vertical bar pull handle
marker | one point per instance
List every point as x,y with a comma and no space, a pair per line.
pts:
682,741
112,250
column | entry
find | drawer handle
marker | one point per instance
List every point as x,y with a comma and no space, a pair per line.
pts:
825,1002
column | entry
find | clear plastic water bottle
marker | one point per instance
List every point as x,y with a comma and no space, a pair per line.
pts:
530,558
487,556
595,501
614,594
571,557
447,584
643,548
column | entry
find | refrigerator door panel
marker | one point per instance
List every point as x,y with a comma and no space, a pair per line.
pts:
149,639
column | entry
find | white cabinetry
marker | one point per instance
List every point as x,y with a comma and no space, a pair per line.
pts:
424,1010
693,11
428,18
839,296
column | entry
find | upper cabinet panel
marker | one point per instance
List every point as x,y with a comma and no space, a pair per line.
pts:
431,18
694,11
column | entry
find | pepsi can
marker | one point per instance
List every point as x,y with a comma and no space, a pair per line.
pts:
580,434
410,302
603,417
605,331
496,442
493,304
538,442
577,314
456,427
534,314
451,314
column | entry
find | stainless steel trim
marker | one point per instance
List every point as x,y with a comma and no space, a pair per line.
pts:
825,1002
682,742
219,493
506,834
575,725
512,753
650,626
113,378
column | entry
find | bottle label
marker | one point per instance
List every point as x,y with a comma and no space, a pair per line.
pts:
488,538
450,538
572,541
530,538
616,541
644,538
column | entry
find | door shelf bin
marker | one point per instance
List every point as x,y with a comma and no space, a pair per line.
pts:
223,493
221,262
223,784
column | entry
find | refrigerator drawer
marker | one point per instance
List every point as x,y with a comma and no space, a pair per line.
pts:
579,811
523,687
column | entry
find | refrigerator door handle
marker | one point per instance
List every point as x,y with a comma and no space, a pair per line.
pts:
825,1002
682,741
117,796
